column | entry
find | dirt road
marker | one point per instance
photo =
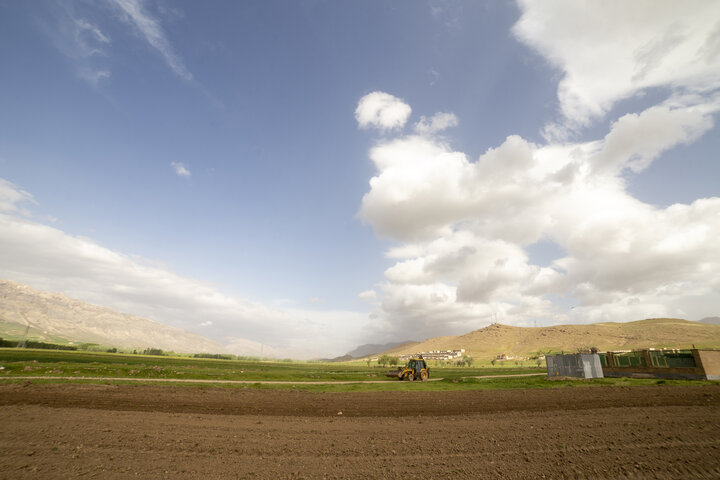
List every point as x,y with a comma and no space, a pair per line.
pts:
134,431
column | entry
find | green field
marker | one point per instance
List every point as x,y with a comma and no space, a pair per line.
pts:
102,366
29,362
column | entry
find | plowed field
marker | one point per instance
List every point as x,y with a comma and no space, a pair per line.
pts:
134,431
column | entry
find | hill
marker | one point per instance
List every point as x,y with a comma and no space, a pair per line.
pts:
520,341
56,318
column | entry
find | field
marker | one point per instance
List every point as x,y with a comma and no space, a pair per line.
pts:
521,427
254,374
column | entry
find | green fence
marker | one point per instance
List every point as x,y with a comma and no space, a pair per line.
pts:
658,359
680,359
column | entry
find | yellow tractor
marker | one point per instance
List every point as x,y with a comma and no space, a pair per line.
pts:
416,368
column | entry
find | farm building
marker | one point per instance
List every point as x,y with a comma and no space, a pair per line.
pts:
436,355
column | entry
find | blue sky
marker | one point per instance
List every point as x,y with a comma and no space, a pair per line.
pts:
215,159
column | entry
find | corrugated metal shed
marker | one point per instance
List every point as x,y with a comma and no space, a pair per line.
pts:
582,365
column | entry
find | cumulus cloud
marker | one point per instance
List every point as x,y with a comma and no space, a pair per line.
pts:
465,226
437,123
368,295
609,51
381,110
636,140
49,259
180,169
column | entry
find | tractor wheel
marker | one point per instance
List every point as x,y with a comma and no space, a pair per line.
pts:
423,376
411,377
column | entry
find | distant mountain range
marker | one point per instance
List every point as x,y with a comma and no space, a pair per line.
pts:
651,333
711,320
56,318
372,348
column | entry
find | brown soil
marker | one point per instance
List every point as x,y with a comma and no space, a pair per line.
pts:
124,431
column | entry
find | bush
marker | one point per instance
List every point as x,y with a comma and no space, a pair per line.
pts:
153,351
33,344
216,356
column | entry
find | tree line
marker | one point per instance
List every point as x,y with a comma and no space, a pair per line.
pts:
385,360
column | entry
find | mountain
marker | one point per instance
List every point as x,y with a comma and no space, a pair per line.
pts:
519,341
711,320
56,318
372,348
344,358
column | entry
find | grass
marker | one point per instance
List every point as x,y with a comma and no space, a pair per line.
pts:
29,363
395,386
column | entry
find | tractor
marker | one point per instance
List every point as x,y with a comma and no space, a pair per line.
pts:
415,368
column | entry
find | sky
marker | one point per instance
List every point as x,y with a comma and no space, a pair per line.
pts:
303,177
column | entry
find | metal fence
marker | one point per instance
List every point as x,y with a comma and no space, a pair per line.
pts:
657,358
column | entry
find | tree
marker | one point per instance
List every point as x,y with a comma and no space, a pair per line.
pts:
468,360
493,362
393,361
368,361
383,360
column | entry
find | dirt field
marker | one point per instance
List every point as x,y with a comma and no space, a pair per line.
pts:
133,431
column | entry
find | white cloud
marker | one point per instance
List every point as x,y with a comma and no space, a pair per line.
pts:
81,41
612,50
93,30
635,140
369,295
12,197
47,258
420,201
465,227
437,123
180,169
90,47
92,75
381,110
434,77
151,31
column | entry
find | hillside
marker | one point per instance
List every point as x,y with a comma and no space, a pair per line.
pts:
57,318
652,333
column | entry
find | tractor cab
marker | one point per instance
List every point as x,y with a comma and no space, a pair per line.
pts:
415,368
417,365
